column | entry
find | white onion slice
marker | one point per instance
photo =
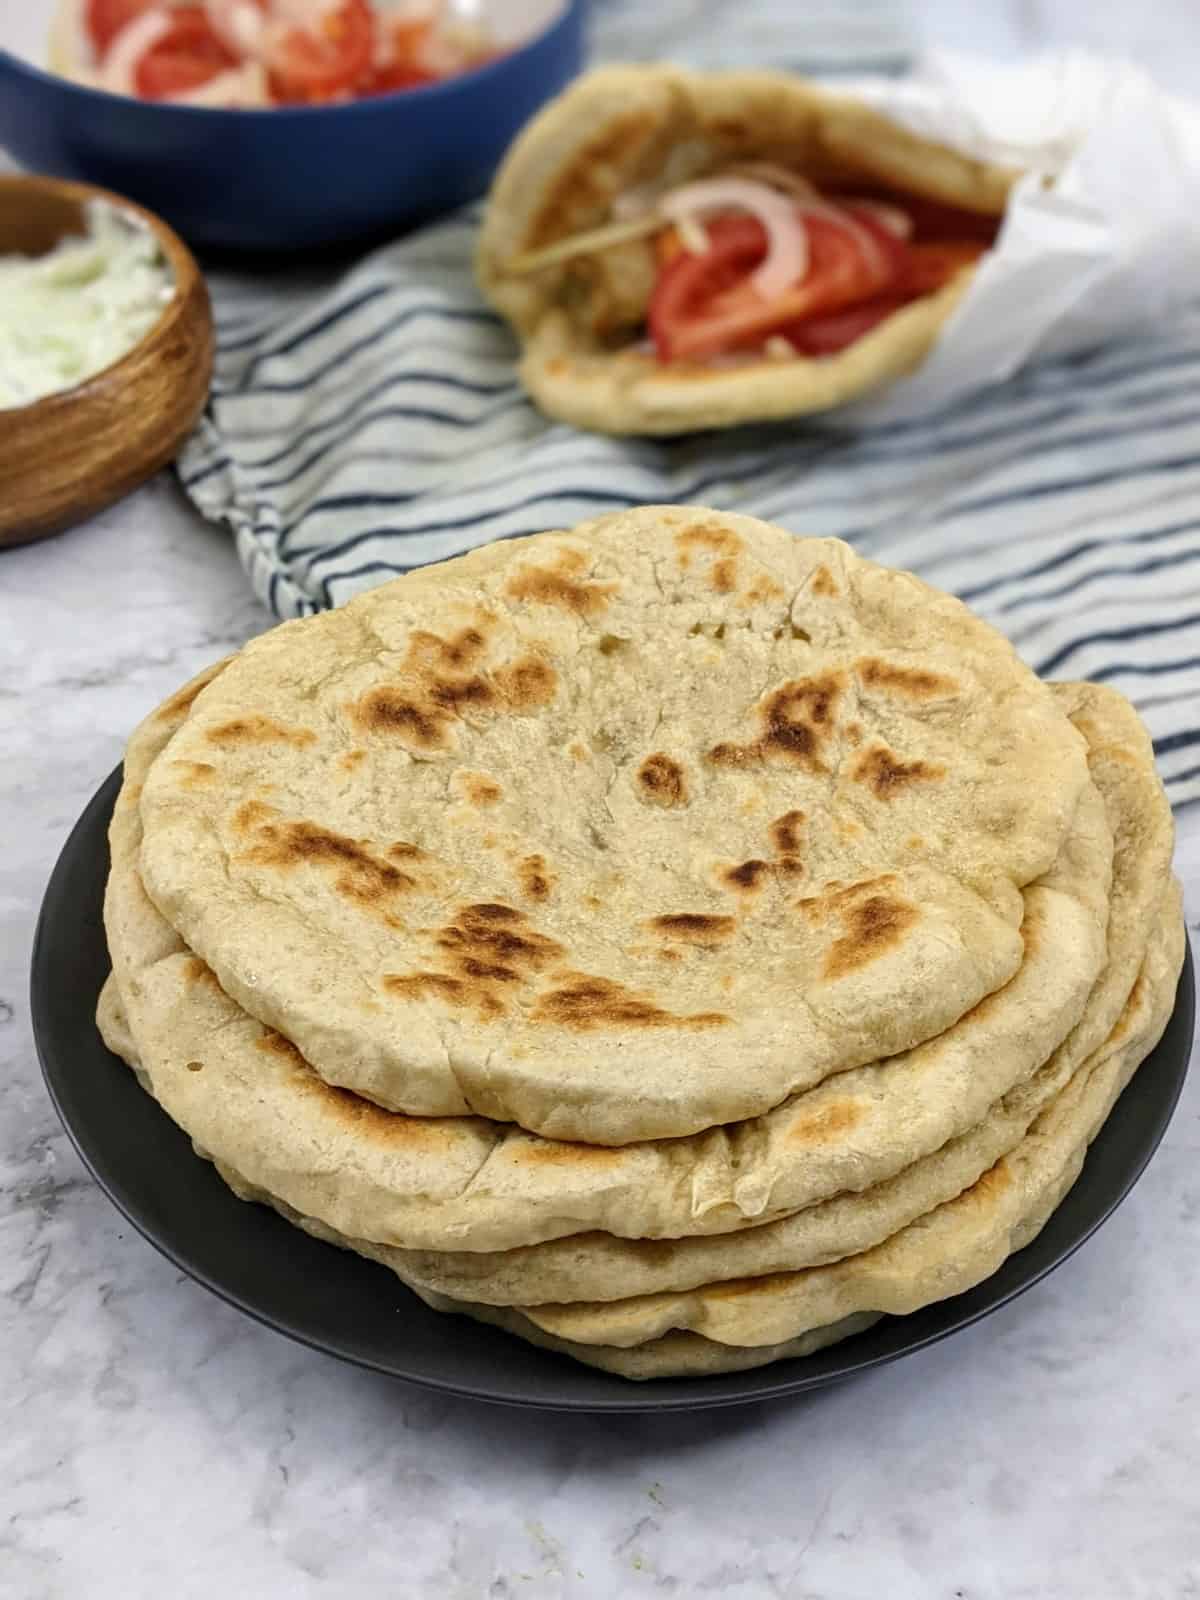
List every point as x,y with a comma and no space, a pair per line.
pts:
869,246
238,24
787,244
889,217
774,175
129,46
692,236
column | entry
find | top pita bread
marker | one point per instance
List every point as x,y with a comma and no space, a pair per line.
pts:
623,126
617,834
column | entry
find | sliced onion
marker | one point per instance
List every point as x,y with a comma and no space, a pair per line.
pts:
869,246
238,24
778,177
129,46
786,261
889,217
692,236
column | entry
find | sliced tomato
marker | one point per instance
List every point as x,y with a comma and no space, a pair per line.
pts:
932,220
104,19
186,57
404,69
335,59
825,336
932,265
705,305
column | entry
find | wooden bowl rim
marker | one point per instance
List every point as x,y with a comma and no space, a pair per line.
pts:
186,275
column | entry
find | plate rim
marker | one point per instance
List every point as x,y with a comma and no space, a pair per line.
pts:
747,1388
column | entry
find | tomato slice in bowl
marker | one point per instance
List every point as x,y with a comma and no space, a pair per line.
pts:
404,67
105,19
705,305
334,59
187,56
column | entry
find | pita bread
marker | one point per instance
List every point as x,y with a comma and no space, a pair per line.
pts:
941,1254
620,128
619,834
721,1326
467,1185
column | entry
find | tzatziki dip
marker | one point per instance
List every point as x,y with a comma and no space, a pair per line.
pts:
67,315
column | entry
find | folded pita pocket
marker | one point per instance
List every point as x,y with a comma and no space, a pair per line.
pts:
636,131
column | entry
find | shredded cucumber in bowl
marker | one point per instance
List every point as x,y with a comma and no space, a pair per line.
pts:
69,314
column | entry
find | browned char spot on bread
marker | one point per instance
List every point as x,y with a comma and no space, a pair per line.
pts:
717,541
785,832
588,1004
814,1127
914,683
255,729
488,949
443,680
195,774
873,926
761,589
495,941
562,585
527,683
747,877
478,789
535,878
363,876
694,927
462,993
725,576
886,774
797,721
661,781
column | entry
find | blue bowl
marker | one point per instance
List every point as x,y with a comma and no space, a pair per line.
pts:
291,177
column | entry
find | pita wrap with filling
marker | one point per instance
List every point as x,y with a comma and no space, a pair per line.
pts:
575,279
619,834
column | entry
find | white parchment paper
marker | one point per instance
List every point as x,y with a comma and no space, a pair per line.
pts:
1102,234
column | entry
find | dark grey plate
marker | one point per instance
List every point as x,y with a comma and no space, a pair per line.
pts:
351,1308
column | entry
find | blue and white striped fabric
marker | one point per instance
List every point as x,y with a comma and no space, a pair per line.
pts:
359,429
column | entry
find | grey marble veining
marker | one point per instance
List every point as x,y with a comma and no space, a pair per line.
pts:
155,1443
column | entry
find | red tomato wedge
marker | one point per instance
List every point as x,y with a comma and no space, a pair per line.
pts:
404,69
932,265
825,336
704,305
334,60
928,268
185,58
104,19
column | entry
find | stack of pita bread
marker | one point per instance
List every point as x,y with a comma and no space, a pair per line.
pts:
675,942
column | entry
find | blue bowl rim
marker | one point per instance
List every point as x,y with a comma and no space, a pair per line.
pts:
423,94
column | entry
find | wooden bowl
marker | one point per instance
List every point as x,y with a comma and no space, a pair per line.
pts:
73,453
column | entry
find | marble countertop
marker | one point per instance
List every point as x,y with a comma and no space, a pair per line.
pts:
157,1443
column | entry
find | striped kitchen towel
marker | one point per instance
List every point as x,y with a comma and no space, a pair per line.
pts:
363,427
